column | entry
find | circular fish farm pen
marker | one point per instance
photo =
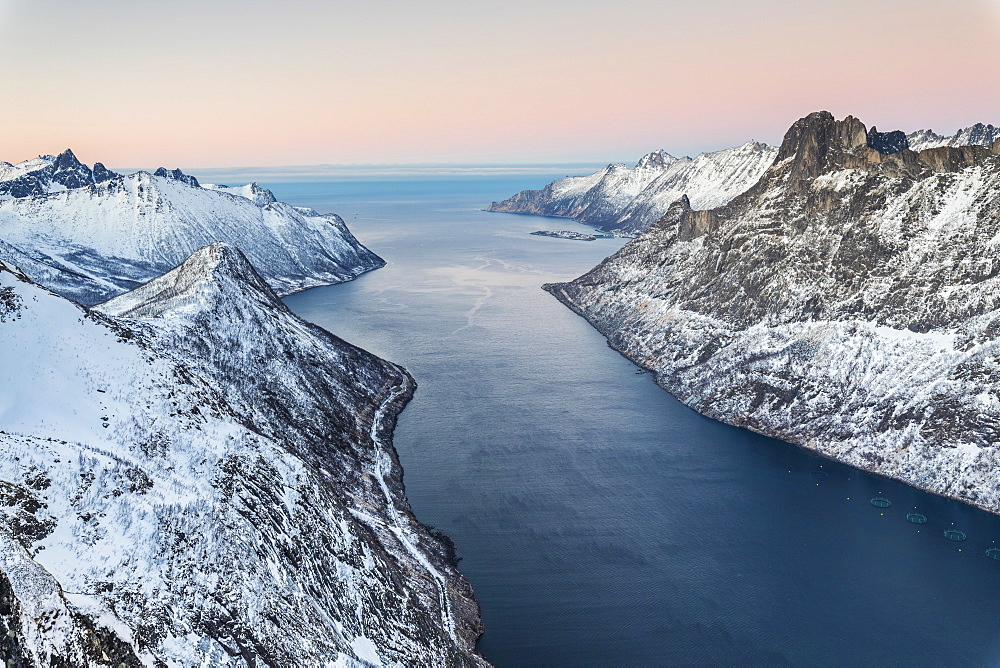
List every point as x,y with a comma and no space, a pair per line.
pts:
820,475
955,534
993,553
881,502
916,518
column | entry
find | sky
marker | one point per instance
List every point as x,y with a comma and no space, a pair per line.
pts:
231,83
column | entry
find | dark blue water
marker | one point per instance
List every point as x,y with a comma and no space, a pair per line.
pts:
600,521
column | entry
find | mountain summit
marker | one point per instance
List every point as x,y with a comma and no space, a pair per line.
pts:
49,173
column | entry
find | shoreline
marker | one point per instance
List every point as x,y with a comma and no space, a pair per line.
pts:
555,289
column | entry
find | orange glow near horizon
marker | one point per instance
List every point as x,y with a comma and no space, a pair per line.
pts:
260,83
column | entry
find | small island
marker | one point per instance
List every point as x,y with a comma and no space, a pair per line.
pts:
566,234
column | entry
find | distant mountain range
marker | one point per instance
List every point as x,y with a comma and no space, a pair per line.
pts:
976,135
849,301
91,234
631,199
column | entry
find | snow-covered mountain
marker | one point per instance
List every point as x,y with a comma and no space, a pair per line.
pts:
93,241
251,191
191,475
976,135
49,173
848,302
631,199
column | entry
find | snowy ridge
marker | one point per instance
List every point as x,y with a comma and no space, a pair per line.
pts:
182,473
251,191
975,135
96,241
630,199
847,302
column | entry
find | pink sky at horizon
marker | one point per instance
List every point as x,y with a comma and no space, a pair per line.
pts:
259,83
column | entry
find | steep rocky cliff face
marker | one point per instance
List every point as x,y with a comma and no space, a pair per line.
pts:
848,302
631,199
191,475
91,240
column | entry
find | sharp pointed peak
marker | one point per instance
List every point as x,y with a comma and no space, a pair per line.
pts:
212,275
177,175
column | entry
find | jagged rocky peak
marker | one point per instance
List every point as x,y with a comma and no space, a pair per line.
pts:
975,135
46,174
70,172
817,142
215,273
887,143
259,195
177,175
102,173
980,133
656,160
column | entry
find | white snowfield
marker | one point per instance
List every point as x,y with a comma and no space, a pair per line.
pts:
181,475
94,242
849,302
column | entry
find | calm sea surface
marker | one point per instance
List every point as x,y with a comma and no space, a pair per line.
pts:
600,521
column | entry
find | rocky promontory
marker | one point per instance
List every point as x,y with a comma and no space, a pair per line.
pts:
848,302
565,234
191,475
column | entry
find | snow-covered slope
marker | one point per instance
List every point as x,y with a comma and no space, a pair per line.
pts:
976,135
848,302
630,199
191,475
109,237
596,198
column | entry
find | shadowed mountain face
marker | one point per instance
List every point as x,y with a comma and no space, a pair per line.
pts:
849,302
91,234
192,475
